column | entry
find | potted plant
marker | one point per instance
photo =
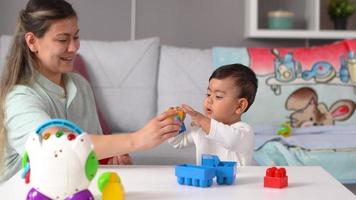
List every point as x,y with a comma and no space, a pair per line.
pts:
339,11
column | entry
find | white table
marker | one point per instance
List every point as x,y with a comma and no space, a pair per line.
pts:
159,182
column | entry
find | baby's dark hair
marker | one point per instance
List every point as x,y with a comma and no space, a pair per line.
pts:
245,80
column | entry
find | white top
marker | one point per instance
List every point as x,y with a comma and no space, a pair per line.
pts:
159,182
229,142
28,106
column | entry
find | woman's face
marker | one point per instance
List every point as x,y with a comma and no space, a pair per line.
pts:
56,50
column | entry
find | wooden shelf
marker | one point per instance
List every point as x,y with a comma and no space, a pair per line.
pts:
312,30
301,34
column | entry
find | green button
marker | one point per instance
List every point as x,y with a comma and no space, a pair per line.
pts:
91,166
24,160
59,133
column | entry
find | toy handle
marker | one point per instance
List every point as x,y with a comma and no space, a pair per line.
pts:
59,122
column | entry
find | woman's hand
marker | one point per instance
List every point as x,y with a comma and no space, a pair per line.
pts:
198,119
124,159
158,130
152,134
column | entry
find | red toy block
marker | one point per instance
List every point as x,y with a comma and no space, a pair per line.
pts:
276,178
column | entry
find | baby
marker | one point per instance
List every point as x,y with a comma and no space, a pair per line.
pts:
231,92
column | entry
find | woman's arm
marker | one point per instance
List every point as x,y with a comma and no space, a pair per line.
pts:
25,111
152,134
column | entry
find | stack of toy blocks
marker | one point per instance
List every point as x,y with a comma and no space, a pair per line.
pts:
203,175
276,178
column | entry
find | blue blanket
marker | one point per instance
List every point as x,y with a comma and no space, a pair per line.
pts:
312,138
332,147
341,164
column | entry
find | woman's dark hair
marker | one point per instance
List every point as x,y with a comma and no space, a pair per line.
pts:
38,14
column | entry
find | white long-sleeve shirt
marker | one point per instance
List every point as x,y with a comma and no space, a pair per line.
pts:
229,142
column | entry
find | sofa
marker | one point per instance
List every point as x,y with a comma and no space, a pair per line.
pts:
133,81
125,77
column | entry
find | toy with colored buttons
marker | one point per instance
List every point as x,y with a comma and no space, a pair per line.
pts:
180,117
59,165
276,178
110,186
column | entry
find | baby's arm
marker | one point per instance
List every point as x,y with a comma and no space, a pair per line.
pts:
238,138
181,140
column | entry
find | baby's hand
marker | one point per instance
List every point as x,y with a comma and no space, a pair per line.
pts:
198,119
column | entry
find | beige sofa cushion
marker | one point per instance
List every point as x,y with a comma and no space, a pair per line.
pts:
182,78
123,75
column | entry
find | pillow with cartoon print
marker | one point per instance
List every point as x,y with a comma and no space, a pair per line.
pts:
304,86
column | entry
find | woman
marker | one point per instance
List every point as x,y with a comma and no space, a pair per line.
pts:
37,85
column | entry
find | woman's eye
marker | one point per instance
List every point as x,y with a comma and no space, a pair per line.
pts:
219,97
76,38
208,95
62,41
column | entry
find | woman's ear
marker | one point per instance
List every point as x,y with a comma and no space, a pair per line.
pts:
242,104
31,41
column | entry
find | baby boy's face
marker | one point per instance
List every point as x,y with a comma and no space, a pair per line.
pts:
221,101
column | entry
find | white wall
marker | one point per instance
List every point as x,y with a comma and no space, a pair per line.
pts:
193,23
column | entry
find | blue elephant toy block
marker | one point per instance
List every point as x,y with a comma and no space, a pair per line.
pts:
225,171
203,175
210,160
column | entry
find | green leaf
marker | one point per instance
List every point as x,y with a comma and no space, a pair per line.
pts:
341,8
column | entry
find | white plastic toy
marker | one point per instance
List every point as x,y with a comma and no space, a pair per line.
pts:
60,165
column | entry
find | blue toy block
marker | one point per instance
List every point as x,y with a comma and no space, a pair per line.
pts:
210,160
225,173
202,176
199,176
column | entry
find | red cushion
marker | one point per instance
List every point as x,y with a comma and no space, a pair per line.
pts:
80,67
